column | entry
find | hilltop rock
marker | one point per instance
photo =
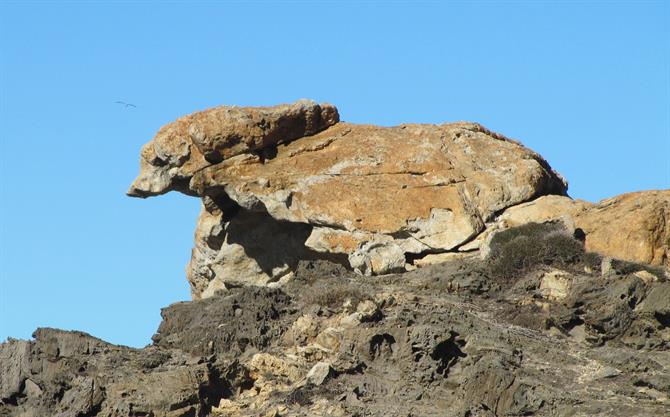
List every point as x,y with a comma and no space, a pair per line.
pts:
632,226
291,182
365,196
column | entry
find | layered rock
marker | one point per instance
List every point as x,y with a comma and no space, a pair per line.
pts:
71,374
376,194
291,182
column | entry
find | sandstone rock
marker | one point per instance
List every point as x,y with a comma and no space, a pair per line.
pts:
329,339
285,183
368,310
633,226
290,182
264,363
646,276
238,246
193,142
374,258
438,258
434,184
606,267
542,209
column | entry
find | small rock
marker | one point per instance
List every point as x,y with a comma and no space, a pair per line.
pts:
438,258
555,285
350,320
606,267
646,276
213,288
319,373
329,339
606,372
31,389
226,407
368,310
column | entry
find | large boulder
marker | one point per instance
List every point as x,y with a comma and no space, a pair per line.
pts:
632,226
296,183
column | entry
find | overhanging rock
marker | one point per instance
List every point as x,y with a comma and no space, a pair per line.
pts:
290,182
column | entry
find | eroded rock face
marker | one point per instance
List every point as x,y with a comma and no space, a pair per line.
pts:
290,182
430,342
427,186
633,226
296,184
71,374
193,142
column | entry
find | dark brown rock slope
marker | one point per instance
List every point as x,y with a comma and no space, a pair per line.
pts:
455,339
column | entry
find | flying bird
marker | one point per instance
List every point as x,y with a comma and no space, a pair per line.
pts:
125,104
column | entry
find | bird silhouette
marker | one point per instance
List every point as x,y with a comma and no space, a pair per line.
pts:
126,105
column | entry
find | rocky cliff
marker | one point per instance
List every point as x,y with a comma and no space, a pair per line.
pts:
341,270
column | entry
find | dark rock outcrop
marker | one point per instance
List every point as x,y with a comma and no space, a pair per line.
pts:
451,339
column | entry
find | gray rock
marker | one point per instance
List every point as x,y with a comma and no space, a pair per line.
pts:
319,373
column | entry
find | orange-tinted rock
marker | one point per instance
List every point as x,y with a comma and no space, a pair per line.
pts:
193,142
369,195
431,187
633,226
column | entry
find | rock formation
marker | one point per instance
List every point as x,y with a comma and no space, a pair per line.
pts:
290,182
356,270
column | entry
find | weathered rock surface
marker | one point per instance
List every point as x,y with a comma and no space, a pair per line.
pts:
193,142
365,196
375,194
633,226
287,183
71,374
486,318
445,340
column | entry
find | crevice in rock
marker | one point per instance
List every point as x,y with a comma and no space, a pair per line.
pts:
382,345
662,318
447,353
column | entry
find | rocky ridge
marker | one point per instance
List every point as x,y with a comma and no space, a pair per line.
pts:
445,340
356,270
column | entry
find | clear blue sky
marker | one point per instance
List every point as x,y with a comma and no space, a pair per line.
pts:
585,84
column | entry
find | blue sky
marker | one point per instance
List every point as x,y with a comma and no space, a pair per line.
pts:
586,84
